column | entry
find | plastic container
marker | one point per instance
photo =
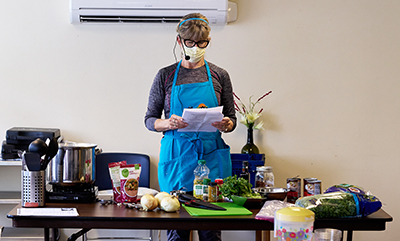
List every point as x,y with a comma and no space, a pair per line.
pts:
200,173
294,223
327,234
265,177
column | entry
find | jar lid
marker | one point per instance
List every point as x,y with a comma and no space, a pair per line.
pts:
206,181
295,214
264,168
219,181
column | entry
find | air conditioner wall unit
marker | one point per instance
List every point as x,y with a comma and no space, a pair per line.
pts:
218,12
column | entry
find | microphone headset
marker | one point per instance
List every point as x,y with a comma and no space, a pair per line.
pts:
187,57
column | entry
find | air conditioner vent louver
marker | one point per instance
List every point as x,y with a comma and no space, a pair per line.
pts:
129,19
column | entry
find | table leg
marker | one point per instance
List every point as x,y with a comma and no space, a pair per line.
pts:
46,234
266,235
258,235
262,235
349,235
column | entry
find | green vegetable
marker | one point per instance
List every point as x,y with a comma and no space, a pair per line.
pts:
330,205
237,186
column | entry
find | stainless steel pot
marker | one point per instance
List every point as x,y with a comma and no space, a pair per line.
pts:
73,164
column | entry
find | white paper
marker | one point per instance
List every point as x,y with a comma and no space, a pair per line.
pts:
65,212
200,119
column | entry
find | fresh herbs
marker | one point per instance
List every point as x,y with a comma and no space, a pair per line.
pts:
237,186
330,205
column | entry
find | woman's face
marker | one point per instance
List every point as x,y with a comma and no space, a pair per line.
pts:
194,50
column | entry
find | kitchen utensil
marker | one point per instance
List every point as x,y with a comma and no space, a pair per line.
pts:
51,153
32,160
73,164
191,201
38,146
272,193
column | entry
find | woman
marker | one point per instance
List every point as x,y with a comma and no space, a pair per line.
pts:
190,83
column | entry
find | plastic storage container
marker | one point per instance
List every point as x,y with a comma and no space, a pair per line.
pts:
294,223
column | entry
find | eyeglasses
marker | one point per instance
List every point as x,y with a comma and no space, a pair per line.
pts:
201,44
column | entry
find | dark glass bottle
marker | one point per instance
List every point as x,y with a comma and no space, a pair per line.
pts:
250,148
245,171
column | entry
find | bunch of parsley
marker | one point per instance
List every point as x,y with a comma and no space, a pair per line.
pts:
237,186
330,205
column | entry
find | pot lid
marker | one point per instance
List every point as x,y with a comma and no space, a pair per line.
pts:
76,145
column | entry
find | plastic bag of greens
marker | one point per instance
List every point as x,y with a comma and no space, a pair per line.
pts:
341,201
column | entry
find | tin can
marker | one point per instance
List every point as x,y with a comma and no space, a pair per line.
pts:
294,186
313,187
305,182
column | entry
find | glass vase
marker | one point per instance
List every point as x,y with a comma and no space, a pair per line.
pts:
250,148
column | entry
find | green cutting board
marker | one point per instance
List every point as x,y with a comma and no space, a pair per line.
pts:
231,210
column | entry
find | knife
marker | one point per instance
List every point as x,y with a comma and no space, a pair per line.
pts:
191,201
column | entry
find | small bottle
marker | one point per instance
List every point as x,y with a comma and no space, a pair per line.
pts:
264,177
206,181
200,173
212,192
245,171
219,182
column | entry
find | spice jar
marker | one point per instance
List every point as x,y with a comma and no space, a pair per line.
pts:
212,192
206,181
264,176
219,182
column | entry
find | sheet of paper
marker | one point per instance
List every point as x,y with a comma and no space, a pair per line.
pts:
200,119
66,212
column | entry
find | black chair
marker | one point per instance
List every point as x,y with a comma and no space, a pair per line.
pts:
103,180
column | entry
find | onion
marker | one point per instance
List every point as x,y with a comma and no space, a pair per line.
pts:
148,202
170,204
160,196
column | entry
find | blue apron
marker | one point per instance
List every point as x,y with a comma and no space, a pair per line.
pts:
180,151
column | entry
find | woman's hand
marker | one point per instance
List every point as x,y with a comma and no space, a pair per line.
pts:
176,122
173,123
225,125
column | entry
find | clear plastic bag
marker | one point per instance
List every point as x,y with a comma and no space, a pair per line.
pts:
267,212
341,200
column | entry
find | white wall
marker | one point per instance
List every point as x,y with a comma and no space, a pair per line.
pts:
333,67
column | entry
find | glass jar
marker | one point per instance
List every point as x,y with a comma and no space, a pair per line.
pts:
264,176
212,192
